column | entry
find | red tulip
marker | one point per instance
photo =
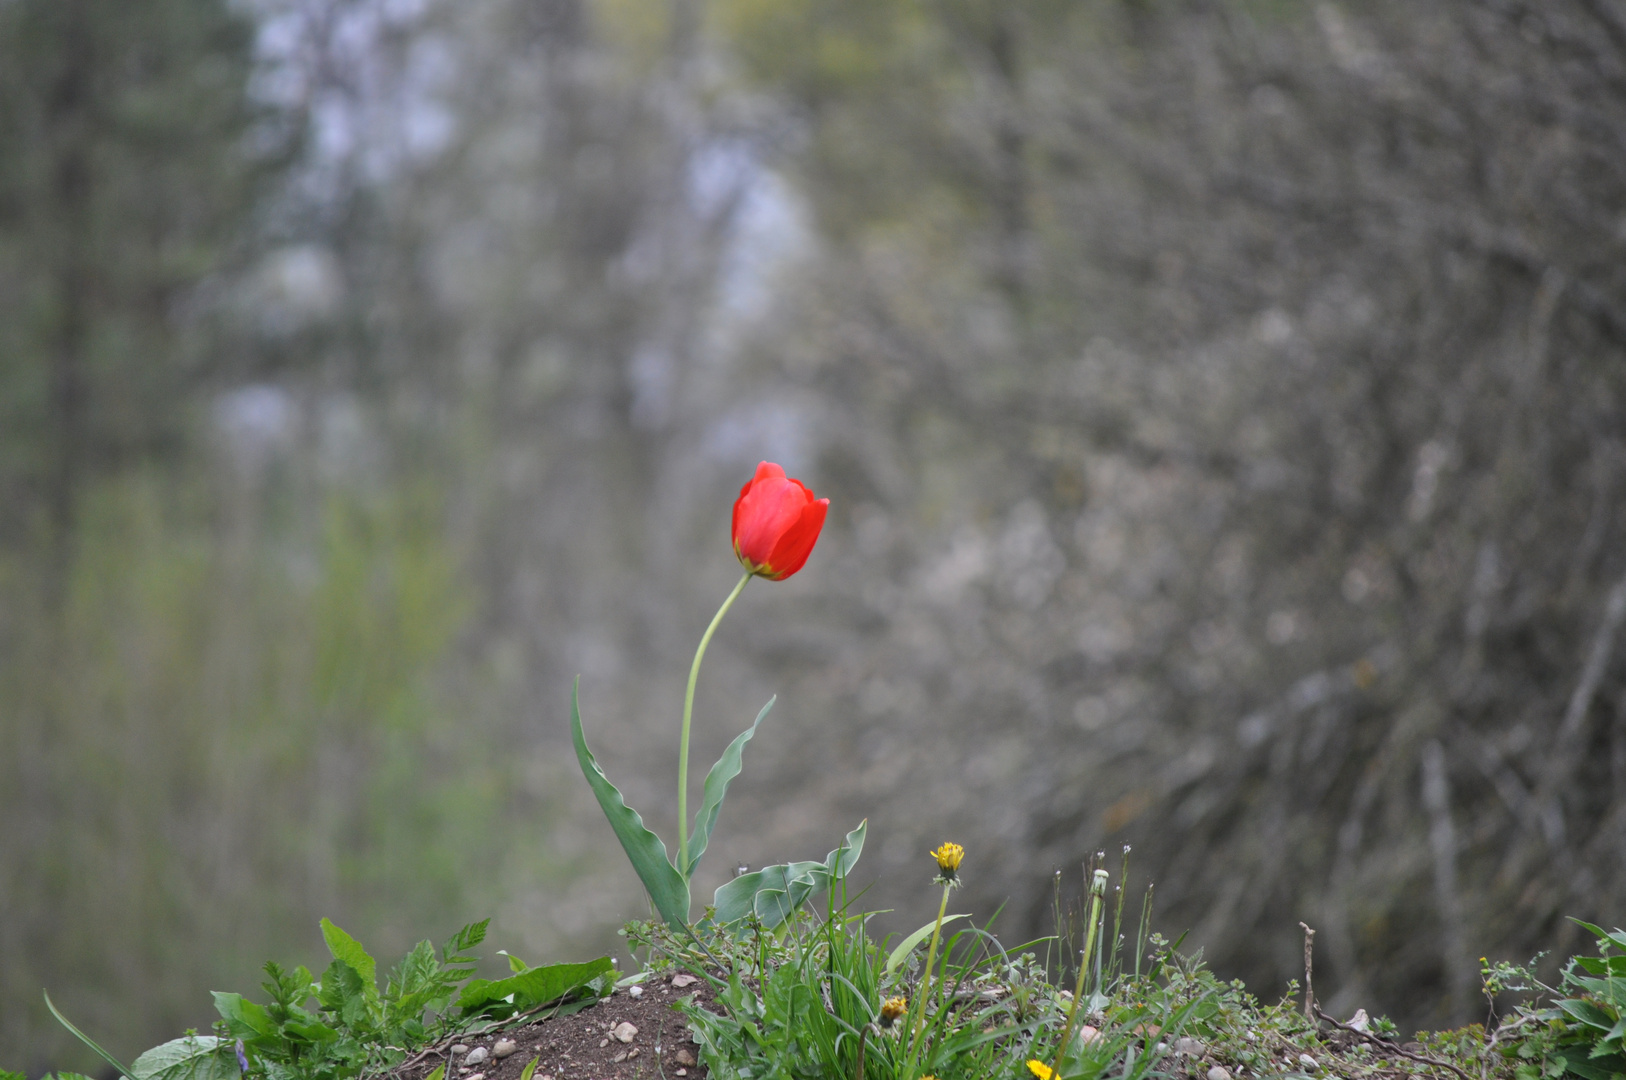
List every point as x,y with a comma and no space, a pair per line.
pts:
776,523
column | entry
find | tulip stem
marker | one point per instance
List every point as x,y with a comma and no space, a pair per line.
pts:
688,714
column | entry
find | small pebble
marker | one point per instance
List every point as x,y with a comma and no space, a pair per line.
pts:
619,1058
1088,1034
635,991
683,1057
602,1043
680,981
1219,1072
1308,1062
459,1048
624,1032
683,1072
1190,1047
633,1052
503,1048
477,1076
477,1055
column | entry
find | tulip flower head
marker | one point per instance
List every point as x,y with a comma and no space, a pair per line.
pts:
776,523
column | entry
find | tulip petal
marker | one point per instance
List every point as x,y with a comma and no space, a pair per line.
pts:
796,543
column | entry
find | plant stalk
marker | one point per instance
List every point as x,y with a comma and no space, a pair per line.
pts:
1098,889
688,715
918,1031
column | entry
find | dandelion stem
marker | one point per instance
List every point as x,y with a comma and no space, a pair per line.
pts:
926,978
688,715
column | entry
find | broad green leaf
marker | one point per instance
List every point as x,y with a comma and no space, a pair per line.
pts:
194,1057
244,1016
1587,1013
774,893
438,1074
668,889
82,1037
6,1074
1616,937
908,944
346,948
537,986
717,781
311,1032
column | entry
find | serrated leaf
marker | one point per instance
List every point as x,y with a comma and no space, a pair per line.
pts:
537,986
908,944
346,948
344,994
193,1057
462,941
668,889
717,780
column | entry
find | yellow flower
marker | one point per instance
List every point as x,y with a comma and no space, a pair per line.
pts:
948,858
893,1008
1040,1069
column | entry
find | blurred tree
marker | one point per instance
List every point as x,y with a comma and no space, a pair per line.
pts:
126,183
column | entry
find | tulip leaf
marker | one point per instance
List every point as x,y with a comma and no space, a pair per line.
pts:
668,889
774,893
726,769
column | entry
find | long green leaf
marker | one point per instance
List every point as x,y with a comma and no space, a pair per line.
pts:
346,948
82,1037
534,986
909,943
717,781
668,889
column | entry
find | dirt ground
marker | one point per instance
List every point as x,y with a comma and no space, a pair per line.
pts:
621,1038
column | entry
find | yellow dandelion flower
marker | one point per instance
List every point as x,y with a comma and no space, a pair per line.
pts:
1039,1069
948,858
893,1008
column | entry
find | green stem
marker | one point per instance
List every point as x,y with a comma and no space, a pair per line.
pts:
919,1026
688,714
1098,889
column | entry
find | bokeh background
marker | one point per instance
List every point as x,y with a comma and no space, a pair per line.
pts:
1220,403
